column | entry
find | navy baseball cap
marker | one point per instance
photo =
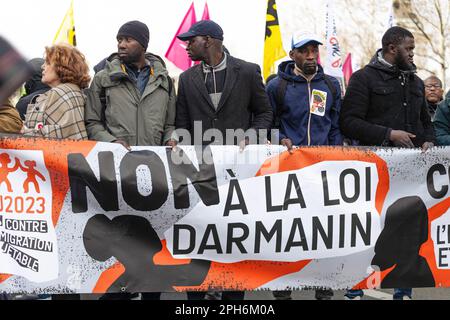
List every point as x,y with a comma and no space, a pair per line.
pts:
203,28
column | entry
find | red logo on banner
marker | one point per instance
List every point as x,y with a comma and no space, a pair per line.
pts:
5,160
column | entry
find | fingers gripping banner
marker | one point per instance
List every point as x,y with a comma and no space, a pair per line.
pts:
92,217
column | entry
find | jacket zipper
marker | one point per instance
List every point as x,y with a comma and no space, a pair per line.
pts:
137,117
122,66
309,108
309,105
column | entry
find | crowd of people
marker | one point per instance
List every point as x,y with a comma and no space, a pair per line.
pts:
133,101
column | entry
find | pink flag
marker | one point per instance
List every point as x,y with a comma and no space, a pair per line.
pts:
206,12
205,16
347,68
177,49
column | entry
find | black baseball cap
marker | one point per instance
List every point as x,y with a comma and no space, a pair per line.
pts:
203,28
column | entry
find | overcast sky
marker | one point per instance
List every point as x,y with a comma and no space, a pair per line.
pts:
31,24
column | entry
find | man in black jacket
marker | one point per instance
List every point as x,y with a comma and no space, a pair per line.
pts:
33,87
221,93
385,105
385,102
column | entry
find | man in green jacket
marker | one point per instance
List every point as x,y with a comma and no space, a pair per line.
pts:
132,101
442,122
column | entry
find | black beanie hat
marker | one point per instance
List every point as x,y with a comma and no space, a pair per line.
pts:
136,30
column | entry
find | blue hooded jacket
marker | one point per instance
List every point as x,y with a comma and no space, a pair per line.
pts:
298,123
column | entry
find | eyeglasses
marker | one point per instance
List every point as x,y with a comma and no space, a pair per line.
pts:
435,86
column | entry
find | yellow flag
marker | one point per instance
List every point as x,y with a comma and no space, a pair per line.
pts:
66,31
273,46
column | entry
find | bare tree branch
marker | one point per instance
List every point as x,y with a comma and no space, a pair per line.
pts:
419,26
423,16
439,14
440,62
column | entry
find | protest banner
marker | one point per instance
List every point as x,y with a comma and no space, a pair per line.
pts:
87,217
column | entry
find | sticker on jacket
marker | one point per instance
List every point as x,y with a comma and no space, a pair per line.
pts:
318,102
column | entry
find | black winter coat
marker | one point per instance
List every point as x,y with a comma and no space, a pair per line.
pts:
244,103
33,86
380,99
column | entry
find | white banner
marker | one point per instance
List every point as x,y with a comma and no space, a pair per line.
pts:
92,217
333,62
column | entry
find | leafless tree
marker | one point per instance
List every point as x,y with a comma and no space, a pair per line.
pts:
429,21
362,24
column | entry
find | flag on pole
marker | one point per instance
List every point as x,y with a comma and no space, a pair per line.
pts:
347,68
333,63
205,16
66,31
391,18
273,45
206,12
177,50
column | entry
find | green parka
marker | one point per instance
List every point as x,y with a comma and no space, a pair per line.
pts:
442,122
147,120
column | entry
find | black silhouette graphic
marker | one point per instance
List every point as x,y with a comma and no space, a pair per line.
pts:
406,229
5,170
32,173
74,39
271,11
134,242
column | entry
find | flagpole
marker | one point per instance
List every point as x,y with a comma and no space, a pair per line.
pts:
273,45
62,23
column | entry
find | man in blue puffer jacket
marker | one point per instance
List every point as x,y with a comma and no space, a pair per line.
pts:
305,101
306,105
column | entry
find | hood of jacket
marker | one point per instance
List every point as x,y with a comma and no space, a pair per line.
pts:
393,70
286,71
113,68
35,84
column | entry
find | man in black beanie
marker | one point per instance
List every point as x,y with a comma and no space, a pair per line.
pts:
132,101
130,36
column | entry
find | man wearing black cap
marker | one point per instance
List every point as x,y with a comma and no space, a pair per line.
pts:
132,101
222,93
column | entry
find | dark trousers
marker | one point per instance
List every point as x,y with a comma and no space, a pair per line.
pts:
129,296
282,295
321,294
226,295
66,297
